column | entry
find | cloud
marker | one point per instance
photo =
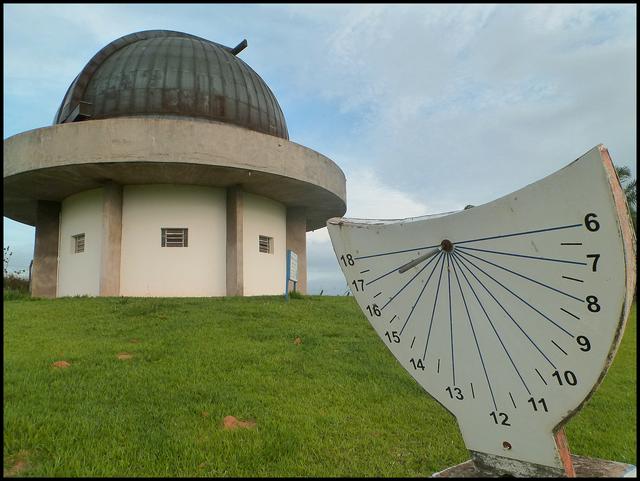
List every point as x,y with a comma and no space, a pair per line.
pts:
474,100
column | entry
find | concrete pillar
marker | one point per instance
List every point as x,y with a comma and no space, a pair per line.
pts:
235,217
297,242
44,280
111,240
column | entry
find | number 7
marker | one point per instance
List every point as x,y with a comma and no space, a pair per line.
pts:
595,261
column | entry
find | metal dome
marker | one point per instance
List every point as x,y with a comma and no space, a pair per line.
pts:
166,73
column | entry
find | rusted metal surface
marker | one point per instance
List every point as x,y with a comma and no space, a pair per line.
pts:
565,454
584,468
161,72
447,246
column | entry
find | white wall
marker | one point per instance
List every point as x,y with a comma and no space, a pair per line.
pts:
79,274
147,269
264,274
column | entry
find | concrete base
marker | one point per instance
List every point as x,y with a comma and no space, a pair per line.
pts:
584,468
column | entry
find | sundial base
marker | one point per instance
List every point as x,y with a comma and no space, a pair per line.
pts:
584,468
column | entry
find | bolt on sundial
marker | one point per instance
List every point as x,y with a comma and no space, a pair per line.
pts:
508,314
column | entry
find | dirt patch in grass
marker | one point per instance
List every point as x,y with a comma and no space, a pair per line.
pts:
19,464
123,356
230,423
297,341
61,364
134,341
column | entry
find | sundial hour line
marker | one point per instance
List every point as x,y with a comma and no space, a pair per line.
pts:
409,282
521,275
383,275
543,380
519,233
395,252
555,344
435,303
420,295
475,338
572,279
516,295
453,360
522,255
462,262
406,266
395,269
572,315
470,240
455,260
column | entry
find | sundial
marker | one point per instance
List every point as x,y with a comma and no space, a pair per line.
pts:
509,313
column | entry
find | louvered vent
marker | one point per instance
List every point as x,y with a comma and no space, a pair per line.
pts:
175,237
265,244
78,243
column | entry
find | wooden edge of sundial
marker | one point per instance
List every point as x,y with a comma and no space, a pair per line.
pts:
629,245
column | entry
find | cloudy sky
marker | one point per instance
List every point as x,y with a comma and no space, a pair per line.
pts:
426,108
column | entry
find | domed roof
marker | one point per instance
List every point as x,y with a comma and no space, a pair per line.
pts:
166,73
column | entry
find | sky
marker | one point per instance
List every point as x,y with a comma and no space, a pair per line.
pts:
426,108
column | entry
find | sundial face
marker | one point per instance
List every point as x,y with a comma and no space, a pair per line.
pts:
508,313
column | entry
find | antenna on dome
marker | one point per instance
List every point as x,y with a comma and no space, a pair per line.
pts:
240,47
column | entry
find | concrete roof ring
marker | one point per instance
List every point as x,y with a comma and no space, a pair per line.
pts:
55,162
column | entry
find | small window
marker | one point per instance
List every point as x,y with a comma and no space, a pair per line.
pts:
78,243
265,244
174,237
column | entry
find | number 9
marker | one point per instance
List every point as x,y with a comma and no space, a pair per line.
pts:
584,342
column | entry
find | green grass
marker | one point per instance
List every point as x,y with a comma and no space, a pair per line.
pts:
336,405
15,294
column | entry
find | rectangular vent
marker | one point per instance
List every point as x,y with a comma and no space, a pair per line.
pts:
174,237
78,243
265,244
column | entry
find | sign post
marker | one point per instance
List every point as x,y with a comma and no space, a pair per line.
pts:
292,272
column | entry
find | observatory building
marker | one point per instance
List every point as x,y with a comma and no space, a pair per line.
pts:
168,171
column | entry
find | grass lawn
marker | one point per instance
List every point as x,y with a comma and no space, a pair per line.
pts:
336,404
